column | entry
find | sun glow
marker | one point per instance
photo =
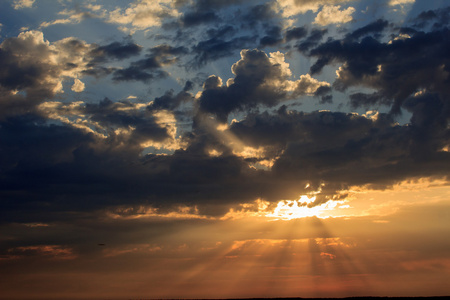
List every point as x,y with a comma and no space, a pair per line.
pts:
295,209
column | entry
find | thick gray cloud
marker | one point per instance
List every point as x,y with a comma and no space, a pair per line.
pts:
117,50
374,28
88,156
198,17
36,68
259,80
217,47
397,69
347,149
313,39
170,101
296,33
151,67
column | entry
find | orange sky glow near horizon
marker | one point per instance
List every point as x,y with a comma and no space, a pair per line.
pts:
354,248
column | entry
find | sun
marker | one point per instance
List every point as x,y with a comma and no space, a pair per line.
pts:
295,209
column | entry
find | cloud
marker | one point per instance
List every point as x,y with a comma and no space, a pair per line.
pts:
290,8
117,50
119,121
439,16
390,67
34,69
332,14
312,40
401,2
329,150
96,156
273,37
19,4
209,4
195,18
170,101
296,33
143,14
342,149
368,100
259,80
78,86
374,28
151,67
217,47
74,17
51,251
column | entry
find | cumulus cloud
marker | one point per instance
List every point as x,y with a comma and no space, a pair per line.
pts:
78,86
390,67
36,67
35,70
259,80
332,14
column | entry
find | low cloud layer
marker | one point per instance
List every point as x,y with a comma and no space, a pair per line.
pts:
103,152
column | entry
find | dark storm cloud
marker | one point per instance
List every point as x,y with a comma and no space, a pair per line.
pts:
62,166
374,28
32,70
427,15
170,101
273,36
343,149
397,69
16,76
94,161
112,115
224,31
67,170
296,33
437,18
259,80
313,39
368,100
81,172
117,50
210,4
230,28
206,12
216,48
151,67
137,72
259,14
246,91
198,17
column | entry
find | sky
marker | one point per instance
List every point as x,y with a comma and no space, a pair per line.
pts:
224,148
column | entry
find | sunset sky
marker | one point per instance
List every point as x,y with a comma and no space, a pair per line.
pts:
224,148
